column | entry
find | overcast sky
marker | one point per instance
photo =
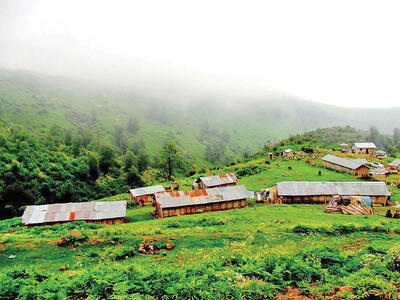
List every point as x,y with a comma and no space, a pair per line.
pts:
345,53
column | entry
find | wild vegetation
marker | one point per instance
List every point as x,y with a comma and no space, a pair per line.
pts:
253,253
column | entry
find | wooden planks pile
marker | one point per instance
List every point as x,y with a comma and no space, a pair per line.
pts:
356,210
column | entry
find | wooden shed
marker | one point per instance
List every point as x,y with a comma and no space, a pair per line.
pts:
220,180
190,202
380,154
394,165
322,192
363,148
358,167
108,212
343,147
379,174
145,195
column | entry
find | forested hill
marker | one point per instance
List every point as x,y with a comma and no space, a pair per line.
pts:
210,130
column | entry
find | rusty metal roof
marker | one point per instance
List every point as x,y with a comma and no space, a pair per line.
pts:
149,190
352,164
189,198
62,212
221,179
302,188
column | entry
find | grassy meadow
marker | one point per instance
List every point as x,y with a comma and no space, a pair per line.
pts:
256,252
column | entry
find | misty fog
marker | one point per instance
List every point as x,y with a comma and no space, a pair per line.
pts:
339,53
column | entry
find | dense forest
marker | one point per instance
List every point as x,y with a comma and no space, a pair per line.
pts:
60,167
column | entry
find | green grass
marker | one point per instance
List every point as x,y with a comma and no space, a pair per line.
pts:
197,238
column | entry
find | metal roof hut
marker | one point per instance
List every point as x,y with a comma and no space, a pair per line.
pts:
321,192
287,152
220,180
380,154
112,212
357,167
145,195
363,148
343,147
190,202
379,174
350,205
394,165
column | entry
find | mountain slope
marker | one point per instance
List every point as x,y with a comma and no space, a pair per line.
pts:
39,101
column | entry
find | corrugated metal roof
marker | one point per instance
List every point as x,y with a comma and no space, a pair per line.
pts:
189,198
352,164
302,188
396,162
379,171
62,212
221,179
364,145
149,190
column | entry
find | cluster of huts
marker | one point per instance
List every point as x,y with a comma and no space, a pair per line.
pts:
221,192
361,167
210,193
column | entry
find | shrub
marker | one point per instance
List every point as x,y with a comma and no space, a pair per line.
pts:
68,240
120,252
372,287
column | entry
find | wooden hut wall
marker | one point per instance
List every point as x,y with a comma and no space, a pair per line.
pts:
329,165
306,199
376,200
193,209
379,200
361,171
107,221
146,199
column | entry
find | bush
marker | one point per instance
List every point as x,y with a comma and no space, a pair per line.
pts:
203,222
120,252
372,287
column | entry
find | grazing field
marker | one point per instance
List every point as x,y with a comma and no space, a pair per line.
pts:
255,252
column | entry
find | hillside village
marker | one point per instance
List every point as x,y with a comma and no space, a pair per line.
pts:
221,192
260,198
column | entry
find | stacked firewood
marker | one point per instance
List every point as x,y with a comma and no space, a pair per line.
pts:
356,210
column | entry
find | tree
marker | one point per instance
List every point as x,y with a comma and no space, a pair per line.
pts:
373,134
76,146
215,151
138,145
396,136
133,125
142,160
94,117
106,158
68,138
133,177
170,159
93,167
129,160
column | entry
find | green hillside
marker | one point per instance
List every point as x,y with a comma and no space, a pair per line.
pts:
258,252
209,130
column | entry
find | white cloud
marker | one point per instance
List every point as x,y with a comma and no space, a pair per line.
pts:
339,52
